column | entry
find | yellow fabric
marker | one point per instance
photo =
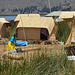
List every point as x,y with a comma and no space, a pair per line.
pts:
11,46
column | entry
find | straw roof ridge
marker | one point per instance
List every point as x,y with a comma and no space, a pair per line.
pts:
26,15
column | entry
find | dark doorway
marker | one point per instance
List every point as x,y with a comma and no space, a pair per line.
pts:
44,35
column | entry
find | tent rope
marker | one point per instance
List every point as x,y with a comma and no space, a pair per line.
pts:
23,28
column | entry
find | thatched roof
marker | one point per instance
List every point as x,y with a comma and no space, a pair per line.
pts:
3,21
26,15
37,22
67,15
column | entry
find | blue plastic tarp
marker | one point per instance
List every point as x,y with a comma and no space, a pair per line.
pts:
20,43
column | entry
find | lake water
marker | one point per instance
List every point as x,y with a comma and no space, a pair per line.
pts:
9,18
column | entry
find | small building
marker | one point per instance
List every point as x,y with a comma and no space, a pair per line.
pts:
3,25
35,27
70,18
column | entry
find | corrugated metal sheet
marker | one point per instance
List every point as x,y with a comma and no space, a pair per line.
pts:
55,13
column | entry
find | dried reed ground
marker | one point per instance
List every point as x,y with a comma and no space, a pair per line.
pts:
52,48
48,49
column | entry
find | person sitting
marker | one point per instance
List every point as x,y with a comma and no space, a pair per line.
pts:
11,44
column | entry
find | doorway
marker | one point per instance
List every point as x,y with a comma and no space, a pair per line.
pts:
44,35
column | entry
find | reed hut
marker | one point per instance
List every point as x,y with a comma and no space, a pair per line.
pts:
70,17
3,25
35,27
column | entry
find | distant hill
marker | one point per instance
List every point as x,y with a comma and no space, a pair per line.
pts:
34,6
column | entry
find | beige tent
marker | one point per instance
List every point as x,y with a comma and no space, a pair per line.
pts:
69,17
3,25
35,27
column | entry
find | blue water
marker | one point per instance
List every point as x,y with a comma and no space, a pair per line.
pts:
9,18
